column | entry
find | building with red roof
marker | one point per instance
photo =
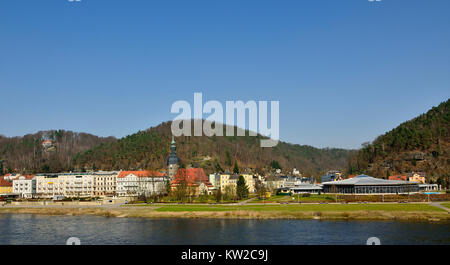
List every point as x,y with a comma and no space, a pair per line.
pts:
6,186
141,182
195,179
25,186
398,177
47,143
141,173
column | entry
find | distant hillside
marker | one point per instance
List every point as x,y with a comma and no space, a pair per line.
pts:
27,154
149,150
421,144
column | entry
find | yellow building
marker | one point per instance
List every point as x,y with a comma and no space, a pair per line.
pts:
224,179
250,182
6,187
229,179
417,177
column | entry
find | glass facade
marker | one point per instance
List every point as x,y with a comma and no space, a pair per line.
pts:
370,189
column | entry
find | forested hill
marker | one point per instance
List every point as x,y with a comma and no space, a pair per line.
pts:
421,144
150,148
27,154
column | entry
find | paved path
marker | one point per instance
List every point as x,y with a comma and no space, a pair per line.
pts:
438,204
245,202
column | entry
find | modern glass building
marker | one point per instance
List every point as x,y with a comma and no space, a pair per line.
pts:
364,184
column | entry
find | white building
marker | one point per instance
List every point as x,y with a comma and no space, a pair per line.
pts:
65,184
48,186
105,183
142,182
214,179
25,186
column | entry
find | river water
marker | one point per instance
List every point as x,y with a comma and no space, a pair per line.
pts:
20,229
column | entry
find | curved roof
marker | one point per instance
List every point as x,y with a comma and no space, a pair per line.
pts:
367,180
173,159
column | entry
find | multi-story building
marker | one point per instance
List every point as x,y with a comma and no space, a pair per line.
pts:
224,180
220,181
78,184
249,181
105,183
417,177
214,179
65,184
142,182
25,186
6,187
48,186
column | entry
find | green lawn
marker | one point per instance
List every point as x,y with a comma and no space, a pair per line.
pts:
305,207
446,204
311,198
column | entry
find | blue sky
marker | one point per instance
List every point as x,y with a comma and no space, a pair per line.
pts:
343,71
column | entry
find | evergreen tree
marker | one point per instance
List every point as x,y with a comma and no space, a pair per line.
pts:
236,168
217,166
275,165
241,188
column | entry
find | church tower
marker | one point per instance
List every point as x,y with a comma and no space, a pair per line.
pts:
173,160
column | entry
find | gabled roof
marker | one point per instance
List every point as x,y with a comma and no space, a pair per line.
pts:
141,173
5,183
192,176
421,174
366,180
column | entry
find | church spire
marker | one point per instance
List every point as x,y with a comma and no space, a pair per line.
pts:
172,160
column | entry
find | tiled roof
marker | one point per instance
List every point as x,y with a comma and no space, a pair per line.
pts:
398,177
192,176
29,176
5,183
141,173
422,174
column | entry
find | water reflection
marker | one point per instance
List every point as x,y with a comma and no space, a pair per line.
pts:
38,229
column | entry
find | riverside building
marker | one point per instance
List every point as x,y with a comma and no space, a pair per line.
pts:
364,184
25,186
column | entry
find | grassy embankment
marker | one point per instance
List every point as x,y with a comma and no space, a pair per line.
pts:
420,212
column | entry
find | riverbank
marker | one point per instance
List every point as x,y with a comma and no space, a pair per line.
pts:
403,212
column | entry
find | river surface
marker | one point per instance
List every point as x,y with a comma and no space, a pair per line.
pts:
17,229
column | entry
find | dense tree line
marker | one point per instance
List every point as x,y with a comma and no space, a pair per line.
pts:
27,155
150,148
421,144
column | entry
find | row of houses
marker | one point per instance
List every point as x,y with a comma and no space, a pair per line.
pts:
117,183
136,183
90,184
